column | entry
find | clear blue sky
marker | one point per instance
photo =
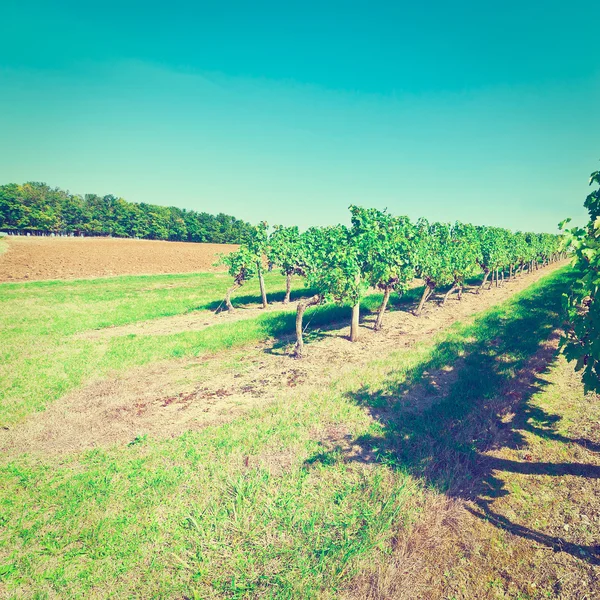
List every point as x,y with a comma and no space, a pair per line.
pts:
479,111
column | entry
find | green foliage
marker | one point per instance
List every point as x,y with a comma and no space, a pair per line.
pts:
247,262
35,207
549,246
386,252
386,247
433,257
285,249
582,343
464,251
592,202
256,239
241,265
494,245
517,250
532,246
331,263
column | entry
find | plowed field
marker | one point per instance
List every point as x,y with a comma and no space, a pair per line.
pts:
34,258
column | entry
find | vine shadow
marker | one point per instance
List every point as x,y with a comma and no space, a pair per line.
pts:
254,300
472,395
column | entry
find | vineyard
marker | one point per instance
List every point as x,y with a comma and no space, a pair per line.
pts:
315,311
160,439
386,253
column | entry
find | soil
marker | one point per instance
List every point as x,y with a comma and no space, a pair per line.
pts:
39,258
166,399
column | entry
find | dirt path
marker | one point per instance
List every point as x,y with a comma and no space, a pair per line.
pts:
169,398
194,321
38,258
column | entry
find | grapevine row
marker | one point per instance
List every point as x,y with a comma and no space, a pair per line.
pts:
385,252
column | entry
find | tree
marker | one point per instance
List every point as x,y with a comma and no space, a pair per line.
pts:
533,249
12,208
464,255
244,264
332,268
177,226
433,258
36,207
257,243
518,252
548,248
494,243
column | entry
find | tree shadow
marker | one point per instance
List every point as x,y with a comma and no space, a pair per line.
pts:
320,322
369,304
254,300
472,395
326,318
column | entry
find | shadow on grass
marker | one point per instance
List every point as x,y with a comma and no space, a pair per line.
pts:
472,395
320,320
369,304
252,300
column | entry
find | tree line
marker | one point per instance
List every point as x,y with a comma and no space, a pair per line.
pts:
385,252
37,209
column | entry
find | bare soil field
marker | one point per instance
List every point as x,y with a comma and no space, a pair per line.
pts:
37,258
169,398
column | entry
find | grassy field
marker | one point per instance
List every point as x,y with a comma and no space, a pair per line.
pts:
308,498
41,357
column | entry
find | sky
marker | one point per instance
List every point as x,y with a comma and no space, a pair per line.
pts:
485,112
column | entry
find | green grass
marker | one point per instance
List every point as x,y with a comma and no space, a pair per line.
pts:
41,360
264,506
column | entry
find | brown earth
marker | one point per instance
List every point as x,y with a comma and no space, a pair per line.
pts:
166,399
37,258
